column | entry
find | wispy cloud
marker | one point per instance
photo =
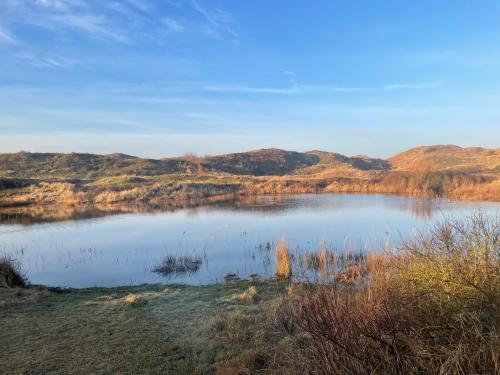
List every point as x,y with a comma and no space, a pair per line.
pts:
142,5
173,25
211,23
60,16
5,37
409,86
218,22
42,60
250,89
97,26
295,88
124,21
59,4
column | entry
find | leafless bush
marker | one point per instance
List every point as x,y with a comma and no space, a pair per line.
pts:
11,274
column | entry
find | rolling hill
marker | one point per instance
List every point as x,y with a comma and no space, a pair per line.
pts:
448,158
264,162
84,166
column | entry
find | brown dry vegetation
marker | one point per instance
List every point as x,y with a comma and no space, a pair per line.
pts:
172,189
11,274
283,266
434,308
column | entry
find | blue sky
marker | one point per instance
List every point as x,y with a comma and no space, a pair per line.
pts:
164,77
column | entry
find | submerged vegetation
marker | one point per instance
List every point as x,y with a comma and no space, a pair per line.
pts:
179,265
431,306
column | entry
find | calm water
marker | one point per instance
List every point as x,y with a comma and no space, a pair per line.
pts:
228,238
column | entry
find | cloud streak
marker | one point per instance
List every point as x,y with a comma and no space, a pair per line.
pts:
311,89
5,37
219,23
41,60
126,21
61,16
173,25
97,26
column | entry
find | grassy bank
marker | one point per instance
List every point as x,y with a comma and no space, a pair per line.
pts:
142,329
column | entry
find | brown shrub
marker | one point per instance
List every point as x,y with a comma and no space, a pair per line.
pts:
11,274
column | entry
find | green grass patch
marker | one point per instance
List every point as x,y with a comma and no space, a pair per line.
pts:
174,329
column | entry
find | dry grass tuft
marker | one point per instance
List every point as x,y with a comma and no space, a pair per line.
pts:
133,299
250,295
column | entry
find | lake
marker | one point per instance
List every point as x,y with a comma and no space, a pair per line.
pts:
232,237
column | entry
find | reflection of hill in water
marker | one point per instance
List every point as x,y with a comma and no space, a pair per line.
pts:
422,208
45,214
419,207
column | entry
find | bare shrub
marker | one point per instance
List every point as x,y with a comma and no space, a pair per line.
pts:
11,274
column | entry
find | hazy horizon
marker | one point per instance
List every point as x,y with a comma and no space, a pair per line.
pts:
163,78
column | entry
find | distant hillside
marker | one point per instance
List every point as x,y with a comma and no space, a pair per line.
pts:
73,165
264,162
331,164
448,158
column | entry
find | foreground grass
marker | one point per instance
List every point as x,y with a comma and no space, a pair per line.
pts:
166,329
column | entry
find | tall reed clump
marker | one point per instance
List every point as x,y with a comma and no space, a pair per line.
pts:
283,265
432,308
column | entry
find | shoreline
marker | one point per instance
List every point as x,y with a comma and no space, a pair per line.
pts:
192,194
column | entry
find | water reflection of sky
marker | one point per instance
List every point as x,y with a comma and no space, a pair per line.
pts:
123,248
